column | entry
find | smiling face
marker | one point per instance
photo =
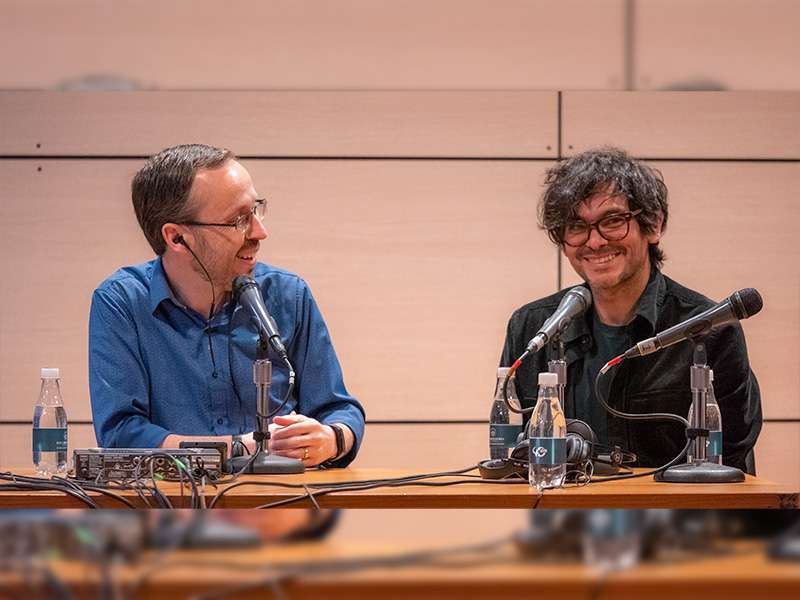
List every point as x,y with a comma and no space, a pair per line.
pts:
607,266
220,196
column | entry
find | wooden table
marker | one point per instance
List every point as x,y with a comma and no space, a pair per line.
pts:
743,572
258,490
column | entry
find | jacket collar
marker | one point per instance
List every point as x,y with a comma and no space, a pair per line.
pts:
647,310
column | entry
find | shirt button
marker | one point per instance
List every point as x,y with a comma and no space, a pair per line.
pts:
220,421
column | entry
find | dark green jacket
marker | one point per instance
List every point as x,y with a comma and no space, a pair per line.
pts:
655,383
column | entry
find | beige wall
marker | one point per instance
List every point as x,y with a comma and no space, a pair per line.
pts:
413,44
410,207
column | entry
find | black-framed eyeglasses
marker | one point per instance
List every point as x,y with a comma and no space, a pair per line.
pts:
613,227
242,222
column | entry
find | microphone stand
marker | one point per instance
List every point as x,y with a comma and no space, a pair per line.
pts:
700,470
263,462
559,367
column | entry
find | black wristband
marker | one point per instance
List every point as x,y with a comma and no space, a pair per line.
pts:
337,430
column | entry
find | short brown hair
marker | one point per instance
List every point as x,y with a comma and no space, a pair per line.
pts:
160,190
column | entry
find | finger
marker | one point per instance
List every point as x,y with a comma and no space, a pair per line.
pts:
298,441
288,419
303,428
308,459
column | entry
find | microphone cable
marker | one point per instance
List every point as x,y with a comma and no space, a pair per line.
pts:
631,416
513,369
636,416
213,304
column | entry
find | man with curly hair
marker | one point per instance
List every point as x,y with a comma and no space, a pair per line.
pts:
607,212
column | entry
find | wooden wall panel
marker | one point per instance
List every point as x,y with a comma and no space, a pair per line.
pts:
684,124
718,44
349,44
67,227
430,447
417,266
778,453
282,123
731,227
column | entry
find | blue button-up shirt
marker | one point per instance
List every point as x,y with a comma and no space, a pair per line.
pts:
157,367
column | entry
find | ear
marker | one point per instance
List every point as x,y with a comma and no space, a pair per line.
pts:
172,236
655,236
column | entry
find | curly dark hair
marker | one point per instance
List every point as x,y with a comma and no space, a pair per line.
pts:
160,190
609,170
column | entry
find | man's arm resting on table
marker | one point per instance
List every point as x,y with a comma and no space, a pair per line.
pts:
173,441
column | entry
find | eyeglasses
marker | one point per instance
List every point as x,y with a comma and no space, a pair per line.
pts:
614,227
242,222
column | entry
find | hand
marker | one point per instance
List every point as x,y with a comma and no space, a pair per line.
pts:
298,436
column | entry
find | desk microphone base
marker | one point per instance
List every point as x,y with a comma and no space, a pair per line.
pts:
267,464
701,472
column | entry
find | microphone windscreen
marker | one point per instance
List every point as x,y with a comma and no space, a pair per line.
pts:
746,303
239,285
584,294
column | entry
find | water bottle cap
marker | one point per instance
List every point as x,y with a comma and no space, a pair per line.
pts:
548,379
49,373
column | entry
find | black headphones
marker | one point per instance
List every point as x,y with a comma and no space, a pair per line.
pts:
179,240
582,448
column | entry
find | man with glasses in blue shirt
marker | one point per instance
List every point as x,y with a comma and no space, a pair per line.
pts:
170,355
607,212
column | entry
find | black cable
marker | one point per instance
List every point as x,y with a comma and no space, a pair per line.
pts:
636,416
645,473
24,483
338,485
325,492
512,370
118,497
632,416
211,310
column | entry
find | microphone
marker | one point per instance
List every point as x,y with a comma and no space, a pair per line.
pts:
739,305
575,302
246,293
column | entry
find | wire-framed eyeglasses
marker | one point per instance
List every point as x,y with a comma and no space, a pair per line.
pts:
242,222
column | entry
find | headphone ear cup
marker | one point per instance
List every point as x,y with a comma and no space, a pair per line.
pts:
580,441
578,449
520,451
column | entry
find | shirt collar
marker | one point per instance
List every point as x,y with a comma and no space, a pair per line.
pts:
648,307
159,286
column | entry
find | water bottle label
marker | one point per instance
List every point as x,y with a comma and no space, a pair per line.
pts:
50,439
714,444
503,435
547,450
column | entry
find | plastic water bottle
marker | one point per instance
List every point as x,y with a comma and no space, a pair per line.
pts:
612,538
50,427
713,424
504,425
547,452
